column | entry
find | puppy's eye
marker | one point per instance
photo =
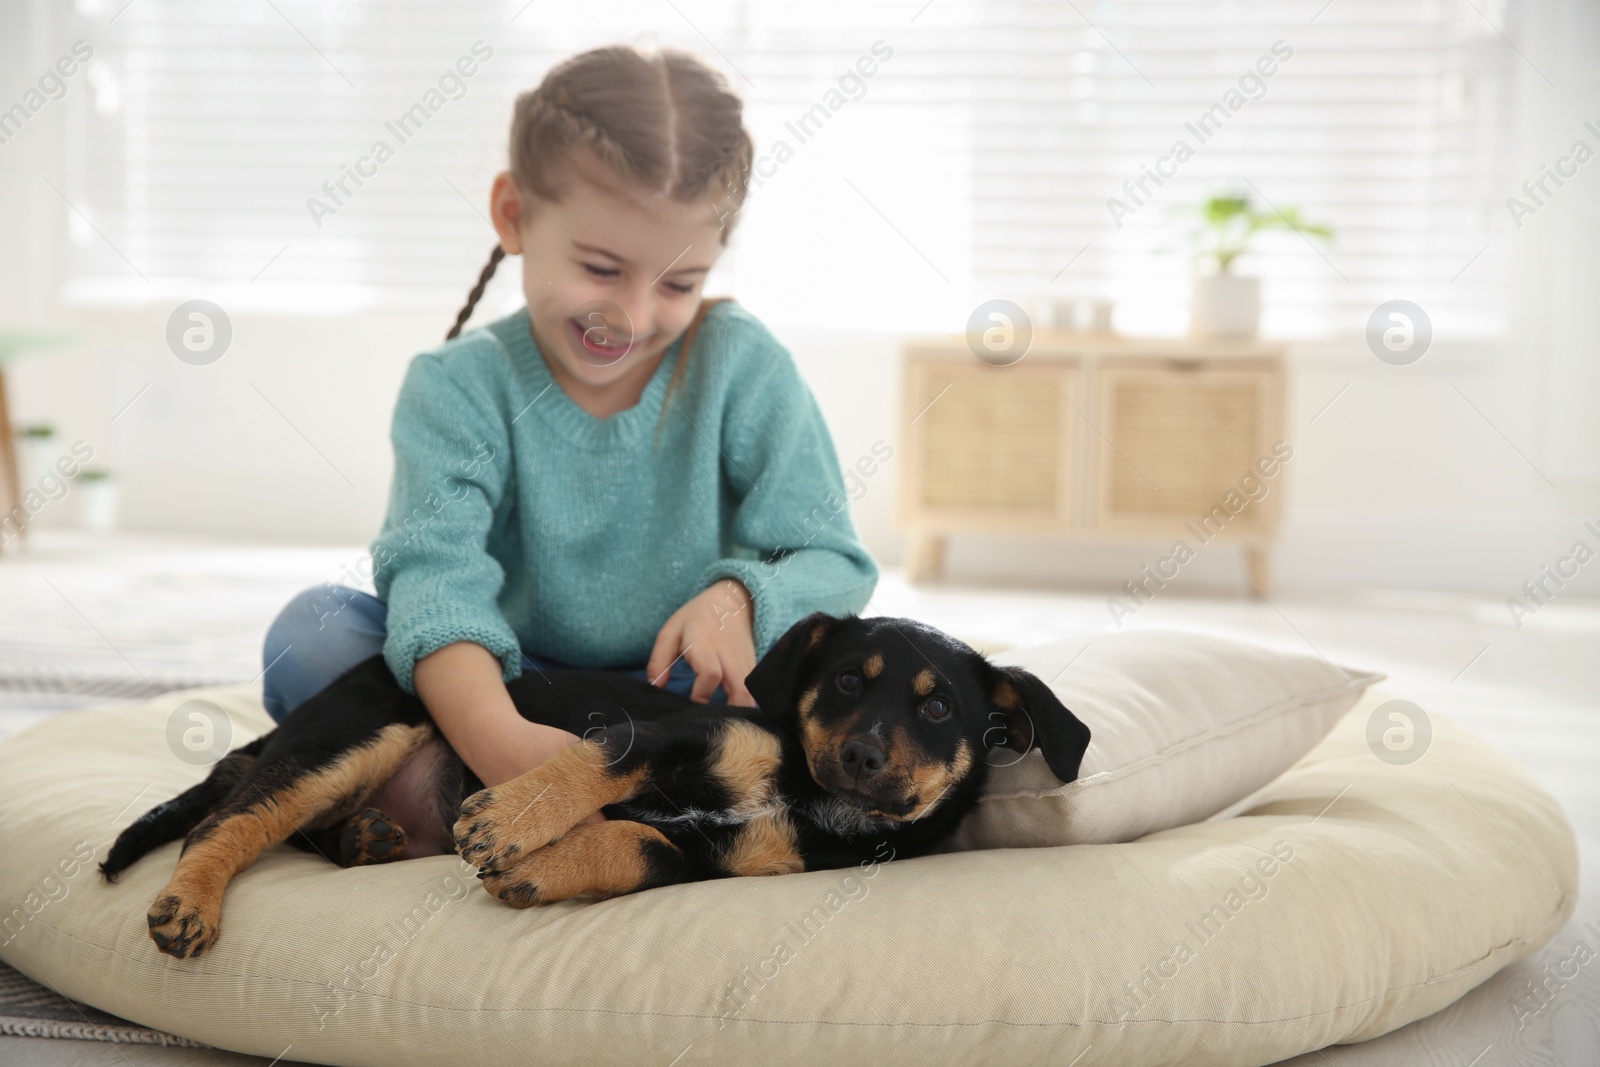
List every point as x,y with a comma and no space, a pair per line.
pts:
936,708
849,681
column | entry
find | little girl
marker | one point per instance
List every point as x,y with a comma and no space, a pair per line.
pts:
616,476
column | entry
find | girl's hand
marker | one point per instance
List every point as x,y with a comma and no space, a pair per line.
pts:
715,632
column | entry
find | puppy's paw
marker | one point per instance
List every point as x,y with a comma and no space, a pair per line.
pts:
497,825
476,838
594,860
517,885
527,813
371,837
182,928
542,876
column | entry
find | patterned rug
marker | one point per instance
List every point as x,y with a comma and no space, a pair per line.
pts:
90,621
28,1009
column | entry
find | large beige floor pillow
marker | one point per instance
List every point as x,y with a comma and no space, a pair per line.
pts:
1347,897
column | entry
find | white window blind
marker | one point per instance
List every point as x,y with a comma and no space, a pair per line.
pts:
1382,118
975,160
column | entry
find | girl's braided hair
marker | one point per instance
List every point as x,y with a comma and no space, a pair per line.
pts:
662,122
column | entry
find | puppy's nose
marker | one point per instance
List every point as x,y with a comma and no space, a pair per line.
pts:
861,759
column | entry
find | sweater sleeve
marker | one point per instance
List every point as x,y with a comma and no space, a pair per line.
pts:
792,511
452,464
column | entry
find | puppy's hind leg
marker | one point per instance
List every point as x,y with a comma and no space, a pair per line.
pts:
408,816
369,836
174,818
283,792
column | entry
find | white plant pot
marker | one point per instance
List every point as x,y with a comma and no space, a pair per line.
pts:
37,455
1225,306
97,505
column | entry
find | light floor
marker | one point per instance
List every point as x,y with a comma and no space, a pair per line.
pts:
82,616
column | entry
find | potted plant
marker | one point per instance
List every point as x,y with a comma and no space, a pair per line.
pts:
97,499
36,452
1227,304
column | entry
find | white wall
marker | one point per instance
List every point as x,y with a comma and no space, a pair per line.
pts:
1400,483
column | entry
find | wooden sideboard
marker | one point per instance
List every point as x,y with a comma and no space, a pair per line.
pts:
1091,436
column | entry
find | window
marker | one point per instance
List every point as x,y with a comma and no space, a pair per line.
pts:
1382,119
232,150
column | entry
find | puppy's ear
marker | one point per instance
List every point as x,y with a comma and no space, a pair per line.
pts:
776,679
1027,715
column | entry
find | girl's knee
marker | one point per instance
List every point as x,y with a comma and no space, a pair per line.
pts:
311,612
321,632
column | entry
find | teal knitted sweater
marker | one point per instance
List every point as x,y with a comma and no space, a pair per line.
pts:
519,521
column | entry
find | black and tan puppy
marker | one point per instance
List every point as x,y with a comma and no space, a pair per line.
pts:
869,731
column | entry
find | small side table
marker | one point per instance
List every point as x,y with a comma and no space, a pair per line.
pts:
11,346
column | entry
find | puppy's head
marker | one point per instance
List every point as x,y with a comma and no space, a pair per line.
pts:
894,715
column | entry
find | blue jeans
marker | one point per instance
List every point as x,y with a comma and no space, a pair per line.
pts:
325,630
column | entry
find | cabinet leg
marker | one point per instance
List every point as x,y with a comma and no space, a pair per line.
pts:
924,555
10,484
1259,564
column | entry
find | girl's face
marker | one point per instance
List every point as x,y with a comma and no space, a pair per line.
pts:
611,280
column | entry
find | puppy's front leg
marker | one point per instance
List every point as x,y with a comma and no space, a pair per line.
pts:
598,860
501,823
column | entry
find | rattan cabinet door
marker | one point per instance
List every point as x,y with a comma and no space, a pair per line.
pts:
1178,439
989,446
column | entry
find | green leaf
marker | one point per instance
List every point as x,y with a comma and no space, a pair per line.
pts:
1230,222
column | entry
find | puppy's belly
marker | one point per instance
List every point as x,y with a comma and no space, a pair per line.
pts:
410,799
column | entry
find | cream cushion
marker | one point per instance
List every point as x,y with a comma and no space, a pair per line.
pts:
1392,891
1183,724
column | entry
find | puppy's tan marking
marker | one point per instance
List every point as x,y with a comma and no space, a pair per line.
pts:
185,919
597,860
814,740
873,666
765,845
746,763
924,682
818,632
944,777
930,781
1005,695
534,809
